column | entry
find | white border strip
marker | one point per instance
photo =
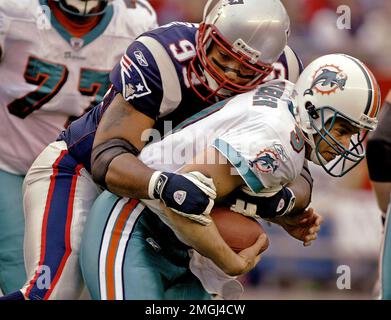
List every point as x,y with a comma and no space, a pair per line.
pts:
105,246
172,93
119,258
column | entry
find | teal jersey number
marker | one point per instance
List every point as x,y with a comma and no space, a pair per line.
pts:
268,96
297,140
94,83
50,78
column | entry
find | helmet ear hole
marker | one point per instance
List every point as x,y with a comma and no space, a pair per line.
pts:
308,105
311,110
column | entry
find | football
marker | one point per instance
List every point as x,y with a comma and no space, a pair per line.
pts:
238,231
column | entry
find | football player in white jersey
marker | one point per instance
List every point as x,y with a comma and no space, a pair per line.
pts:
258,141
53,67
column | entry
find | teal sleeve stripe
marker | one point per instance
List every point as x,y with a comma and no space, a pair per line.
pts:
240,164
201,115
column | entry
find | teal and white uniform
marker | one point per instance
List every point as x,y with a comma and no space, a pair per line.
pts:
47,78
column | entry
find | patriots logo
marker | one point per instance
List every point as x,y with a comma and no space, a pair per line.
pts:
133,81
180,196
266,162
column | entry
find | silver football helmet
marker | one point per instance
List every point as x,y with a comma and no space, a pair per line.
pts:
251,31
336,86
83,8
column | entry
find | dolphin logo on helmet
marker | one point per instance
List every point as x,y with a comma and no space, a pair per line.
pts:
328,81
352,95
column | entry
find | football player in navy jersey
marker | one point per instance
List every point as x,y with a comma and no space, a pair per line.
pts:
171,74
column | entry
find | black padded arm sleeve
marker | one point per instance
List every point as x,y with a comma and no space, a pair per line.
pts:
103,154
379,148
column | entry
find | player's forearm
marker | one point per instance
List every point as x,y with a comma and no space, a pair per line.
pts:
302,189
207,241
118,142
383,194
127,176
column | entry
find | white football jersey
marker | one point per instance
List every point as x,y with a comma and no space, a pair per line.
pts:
47,76
256,132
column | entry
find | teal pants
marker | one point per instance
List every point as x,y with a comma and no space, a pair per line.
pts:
386,259
12,271
128,253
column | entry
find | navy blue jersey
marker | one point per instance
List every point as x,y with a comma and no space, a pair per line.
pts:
152,77
152,72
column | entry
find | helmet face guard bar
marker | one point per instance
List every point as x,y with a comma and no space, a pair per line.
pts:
65,7
261,70
347,158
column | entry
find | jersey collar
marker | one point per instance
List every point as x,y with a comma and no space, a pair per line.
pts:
90,36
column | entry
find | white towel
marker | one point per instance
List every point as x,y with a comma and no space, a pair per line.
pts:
213,279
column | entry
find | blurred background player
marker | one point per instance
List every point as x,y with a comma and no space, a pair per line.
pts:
379,164
54,64
265,135
167,74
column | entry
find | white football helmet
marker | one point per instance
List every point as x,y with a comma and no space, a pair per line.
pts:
83,8
336,86
251,31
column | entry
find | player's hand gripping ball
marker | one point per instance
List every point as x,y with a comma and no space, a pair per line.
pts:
238,231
